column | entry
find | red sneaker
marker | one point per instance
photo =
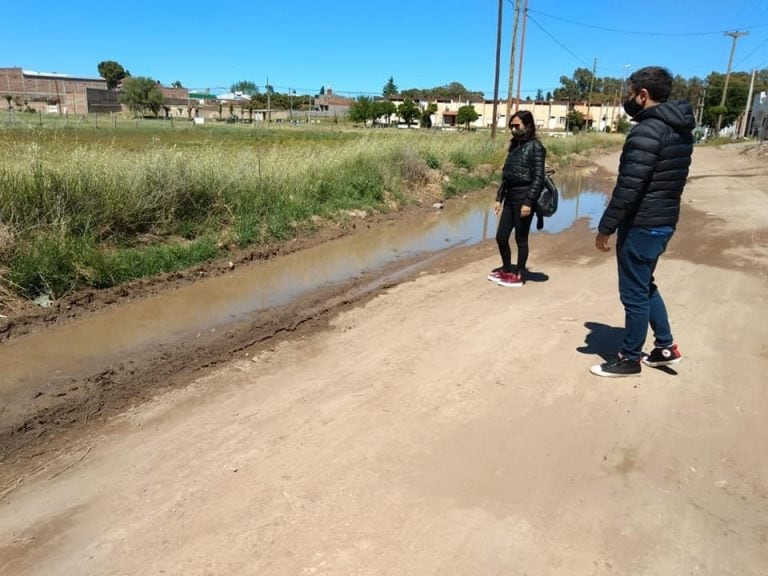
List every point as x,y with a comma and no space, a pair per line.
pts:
495,273
510,280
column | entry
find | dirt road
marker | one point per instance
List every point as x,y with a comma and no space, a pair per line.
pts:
450,426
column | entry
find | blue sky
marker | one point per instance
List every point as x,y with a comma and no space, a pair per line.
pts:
355,46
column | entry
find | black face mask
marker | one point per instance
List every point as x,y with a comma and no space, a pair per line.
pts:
632,108
519,133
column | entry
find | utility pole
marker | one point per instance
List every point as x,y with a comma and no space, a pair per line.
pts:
269,102
589,98
522,51
496,75
735,35
743,128
510,89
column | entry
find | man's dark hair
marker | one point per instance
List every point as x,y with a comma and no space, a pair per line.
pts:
655,79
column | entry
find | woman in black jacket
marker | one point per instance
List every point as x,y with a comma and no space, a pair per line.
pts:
521,185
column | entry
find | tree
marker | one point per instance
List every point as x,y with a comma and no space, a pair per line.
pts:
408,111
539,95
426,115
384,108
548,96
322,90
575,120
112,72
390,88
361,110
141,94
177,84
246,87
467,114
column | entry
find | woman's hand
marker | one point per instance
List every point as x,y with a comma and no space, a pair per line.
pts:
497,208
525,211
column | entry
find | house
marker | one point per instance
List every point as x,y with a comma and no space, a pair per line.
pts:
54,93
549,115
758,117
48,92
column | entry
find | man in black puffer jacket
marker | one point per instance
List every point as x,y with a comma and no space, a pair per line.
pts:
644,210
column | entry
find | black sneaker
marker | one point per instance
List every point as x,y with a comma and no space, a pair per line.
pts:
617,368
663,356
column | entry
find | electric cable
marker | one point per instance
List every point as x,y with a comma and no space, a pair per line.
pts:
638,32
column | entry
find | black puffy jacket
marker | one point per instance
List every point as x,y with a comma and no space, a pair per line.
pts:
653,169
522,178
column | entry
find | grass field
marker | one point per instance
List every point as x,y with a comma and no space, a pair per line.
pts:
88,204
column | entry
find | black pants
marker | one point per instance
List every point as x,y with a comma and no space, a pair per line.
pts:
511,220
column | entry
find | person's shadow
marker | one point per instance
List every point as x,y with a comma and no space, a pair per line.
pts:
602,339
605,341
535,276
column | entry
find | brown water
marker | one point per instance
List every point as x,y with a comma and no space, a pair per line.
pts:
80,346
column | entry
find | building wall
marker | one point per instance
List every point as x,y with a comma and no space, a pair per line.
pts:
42,91
758,117
547,115
62,94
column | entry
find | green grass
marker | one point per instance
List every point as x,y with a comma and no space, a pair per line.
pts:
80,200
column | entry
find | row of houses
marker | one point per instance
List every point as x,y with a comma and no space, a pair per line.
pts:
54,93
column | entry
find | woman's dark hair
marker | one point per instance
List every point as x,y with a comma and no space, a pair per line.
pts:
528,123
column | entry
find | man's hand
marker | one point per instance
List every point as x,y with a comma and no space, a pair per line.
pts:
497,208
601,242
525,211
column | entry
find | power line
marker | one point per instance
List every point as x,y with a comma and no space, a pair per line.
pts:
637,32
563,46
753,51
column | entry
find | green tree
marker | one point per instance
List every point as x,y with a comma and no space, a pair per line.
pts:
467,114
390,88
112,72
426,115
177,84
386,109
141,94
245,86
539,95
361,110
408,111
623,125
735,100
575,120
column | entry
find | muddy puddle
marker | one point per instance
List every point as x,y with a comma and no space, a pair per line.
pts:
66,351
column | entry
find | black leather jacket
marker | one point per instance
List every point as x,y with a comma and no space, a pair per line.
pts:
523,173
653,169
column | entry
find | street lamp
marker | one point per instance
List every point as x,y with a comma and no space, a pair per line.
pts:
291,92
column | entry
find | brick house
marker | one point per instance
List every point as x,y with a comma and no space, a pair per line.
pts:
46,92
55,93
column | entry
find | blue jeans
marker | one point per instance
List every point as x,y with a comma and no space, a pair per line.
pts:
637,251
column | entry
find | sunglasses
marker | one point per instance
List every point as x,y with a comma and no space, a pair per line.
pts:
516,125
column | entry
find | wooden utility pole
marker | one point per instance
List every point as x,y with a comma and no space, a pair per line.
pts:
510,89
745,121
735,35
589,98
522,51
496,75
